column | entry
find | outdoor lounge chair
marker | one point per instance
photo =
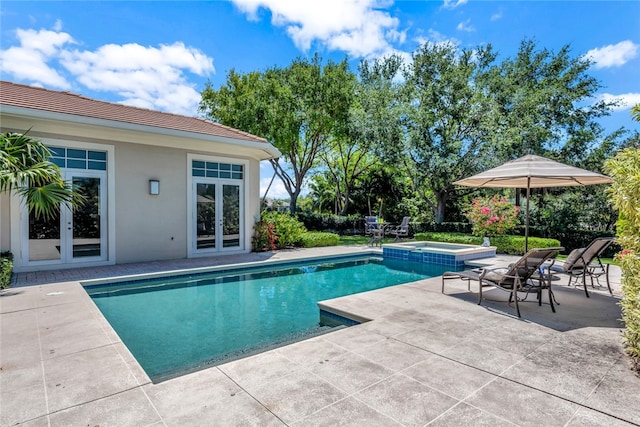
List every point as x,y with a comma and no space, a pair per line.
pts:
523,276
585,262
401,230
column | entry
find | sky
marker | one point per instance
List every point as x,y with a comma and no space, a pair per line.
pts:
160,54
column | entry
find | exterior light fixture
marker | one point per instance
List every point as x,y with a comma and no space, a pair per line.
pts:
154,187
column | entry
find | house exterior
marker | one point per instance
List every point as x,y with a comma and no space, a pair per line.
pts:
158,186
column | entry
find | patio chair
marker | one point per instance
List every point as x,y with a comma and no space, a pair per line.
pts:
523,276
370,224
401,230
585,262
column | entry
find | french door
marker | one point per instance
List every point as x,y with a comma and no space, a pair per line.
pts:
218,213
77,235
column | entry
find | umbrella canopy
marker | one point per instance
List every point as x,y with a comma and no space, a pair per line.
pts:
530,172
533,171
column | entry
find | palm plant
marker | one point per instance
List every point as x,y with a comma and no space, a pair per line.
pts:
26,169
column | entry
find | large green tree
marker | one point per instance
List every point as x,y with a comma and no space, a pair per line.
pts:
544,102
25,168
373,124
446,118
298,108
466,112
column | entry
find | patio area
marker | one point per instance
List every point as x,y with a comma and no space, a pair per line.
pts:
425,358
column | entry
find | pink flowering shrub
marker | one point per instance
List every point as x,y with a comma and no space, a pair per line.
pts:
490,217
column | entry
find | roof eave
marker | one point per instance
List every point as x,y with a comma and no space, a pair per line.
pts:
265,149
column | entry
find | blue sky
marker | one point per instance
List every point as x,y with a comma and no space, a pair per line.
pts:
160,54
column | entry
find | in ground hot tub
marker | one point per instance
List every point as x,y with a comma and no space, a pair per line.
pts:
452,254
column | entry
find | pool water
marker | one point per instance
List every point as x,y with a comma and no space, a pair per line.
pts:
184,323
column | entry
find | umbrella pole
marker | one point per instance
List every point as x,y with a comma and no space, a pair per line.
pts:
526,218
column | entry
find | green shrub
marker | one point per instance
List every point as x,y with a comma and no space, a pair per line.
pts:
287,229
264,237
512,245
314,239
6,269
624,168
492,216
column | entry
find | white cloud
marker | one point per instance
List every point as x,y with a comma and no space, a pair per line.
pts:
625,100
144,76
466,26
436,37
496,16
358,27
30,60
452,4
276,190
613,55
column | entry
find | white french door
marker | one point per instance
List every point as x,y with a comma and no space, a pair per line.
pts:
217,215
70,236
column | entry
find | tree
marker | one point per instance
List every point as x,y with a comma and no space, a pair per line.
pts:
543,102
635,112
323,193
446,118
298,108
374,123
26,169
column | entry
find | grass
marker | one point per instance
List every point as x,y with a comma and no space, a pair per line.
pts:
611,261
359,240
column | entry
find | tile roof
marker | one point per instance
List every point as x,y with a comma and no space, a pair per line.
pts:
19,95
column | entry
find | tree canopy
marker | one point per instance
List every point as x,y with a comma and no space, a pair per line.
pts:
298,108
446,114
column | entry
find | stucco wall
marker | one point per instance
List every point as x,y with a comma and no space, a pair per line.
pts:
150,227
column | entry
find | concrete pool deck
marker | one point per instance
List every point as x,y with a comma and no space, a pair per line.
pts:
427,358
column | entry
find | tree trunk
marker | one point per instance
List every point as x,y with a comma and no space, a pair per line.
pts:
293,204
441,197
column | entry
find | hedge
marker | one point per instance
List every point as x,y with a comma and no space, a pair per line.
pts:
313,239
507,244
624,193
6,269
342,225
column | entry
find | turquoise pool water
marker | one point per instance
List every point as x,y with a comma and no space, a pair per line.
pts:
180,324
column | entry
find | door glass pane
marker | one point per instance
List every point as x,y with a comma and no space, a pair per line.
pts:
206,211
44,238
231,215
86,219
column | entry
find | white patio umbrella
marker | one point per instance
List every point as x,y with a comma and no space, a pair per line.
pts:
530,172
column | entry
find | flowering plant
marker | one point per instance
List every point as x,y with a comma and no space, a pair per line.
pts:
490,217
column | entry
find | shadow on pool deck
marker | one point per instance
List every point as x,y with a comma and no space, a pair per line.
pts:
427,358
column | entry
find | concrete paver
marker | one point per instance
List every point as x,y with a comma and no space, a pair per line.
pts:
425,358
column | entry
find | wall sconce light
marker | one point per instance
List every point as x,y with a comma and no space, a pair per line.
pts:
154,187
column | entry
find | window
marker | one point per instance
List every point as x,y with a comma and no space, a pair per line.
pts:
216,170
73,158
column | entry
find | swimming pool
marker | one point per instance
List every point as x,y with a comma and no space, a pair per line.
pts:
179,324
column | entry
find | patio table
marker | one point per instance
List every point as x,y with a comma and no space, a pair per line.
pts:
378,232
